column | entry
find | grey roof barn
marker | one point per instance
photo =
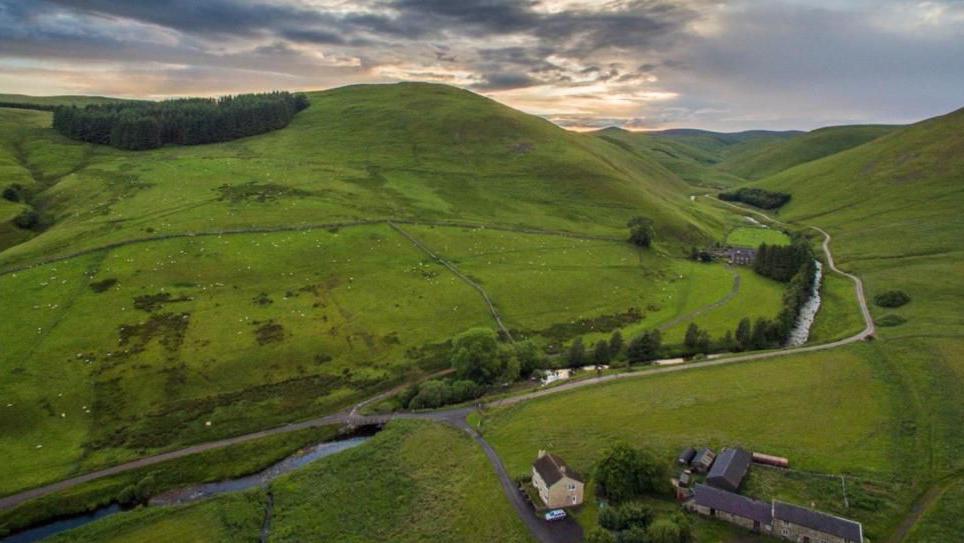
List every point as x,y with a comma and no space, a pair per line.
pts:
729,469
847,530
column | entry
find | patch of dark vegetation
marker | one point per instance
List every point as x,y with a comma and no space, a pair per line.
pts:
26,105
262,299
891,320
561,332
14,193
168,328
322,358
150,302
268,332
139,125
430,356
763,199
892,298
266,404
258,192
29,219
103,285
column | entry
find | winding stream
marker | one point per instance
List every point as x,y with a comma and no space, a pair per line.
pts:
801,329
195,492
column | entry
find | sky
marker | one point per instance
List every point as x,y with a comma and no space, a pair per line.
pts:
640,64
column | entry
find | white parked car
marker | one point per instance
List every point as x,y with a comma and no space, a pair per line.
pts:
555,514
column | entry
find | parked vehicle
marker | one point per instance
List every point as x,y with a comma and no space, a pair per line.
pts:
555,514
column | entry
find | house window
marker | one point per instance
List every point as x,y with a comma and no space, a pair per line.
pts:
573,499
572,487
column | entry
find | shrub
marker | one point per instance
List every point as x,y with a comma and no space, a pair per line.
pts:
891,298
28,220
12,193
641,232
625,473
891,320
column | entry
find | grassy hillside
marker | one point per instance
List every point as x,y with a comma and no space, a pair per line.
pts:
200,292
405,151
388,489
775,156
69,100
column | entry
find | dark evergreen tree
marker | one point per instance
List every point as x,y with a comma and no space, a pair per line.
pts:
600,353
615,344
577,353
744,334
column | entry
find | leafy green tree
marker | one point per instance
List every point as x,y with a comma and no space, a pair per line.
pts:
476,356
641,231
636,534
761,334
692,337
577,353
625,473
727,343
528,355
644,347
744,334
600,353
599,535
615,344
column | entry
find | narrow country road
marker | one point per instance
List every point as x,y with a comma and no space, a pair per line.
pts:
560,532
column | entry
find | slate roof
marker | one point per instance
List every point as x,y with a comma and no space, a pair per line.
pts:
731,503
729,469
700,454
828,524
552,468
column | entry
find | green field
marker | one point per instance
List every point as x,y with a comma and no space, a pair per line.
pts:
945,520
217,465
388,489
746,236
185,294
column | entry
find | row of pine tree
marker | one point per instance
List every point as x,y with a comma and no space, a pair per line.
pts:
138,125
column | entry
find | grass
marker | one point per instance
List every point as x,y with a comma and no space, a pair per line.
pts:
890,421
218,465
247,332
715,406
779,155
746,236
234,517
945,520
385,490
408,495
839,315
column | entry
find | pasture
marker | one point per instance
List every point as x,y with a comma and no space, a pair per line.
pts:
747,236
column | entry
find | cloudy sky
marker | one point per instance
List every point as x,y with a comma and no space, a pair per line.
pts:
722,65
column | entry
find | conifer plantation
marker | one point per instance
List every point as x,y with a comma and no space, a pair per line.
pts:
140,125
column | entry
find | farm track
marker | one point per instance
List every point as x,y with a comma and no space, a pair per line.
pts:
922,505
464,278
734,290
300,228
456,417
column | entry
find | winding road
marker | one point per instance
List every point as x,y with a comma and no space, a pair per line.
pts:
559,532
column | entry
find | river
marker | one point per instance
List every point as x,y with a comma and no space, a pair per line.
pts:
801,329
195,492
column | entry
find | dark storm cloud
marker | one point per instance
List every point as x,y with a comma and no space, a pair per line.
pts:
724,64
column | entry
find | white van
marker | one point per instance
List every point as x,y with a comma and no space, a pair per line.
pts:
555,514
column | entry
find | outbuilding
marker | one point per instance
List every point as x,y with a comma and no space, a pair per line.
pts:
729,469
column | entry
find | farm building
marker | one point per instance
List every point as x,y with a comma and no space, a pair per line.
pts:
558,486
733,508
800,524
729,469
703,460
777,519
741,256
686,456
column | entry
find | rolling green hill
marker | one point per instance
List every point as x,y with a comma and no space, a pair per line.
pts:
186,293
70,100
775,156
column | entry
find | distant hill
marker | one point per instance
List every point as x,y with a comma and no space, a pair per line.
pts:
78,101
894,208
756,162
694,155
406,150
